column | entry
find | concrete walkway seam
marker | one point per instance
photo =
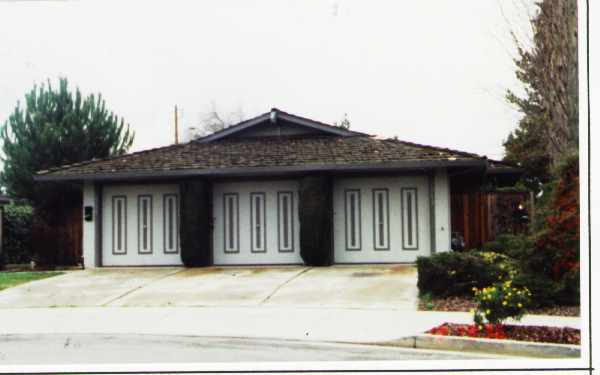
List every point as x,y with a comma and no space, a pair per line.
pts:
295,276
141,286
504,347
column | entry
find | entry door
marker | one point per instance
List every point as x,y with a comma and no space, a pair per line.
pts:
381,220
140,225
256,223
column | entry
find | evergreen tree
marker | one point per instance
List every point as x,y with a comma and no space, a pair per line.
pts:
56,127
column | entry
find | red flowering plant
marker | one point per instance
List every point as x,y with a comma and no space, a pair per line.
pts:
499,302
490,331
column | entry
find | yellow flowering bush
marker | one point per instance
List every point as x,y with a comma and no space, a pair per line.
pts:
499,302
506,265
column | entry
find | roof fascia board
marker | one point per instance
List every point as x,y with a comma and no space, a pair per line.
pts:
262,171
505,170
315,125
280,115
234,129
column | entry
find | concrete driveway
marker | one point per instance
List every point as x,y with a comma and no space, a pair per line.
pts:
362,286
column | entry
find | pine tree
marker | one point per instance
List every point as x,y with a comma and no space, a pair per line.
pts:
56,127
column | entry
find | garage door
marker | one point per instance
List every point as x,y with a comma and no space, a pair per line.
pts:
256,223
381,220
140,225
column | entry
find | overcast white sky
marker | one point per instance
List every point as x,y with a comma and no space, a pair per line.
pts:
431,72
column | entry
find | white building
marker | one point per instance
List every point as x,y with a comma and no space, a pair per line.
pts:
275,189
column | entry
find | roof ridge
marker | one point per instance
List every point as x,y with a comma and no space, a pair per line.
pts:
109,158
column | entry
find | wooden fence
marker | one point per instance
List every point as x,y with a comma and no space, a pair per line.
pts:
59,242
480,216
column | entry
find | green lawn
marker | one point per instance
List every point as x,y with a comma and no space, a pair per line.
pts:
10,279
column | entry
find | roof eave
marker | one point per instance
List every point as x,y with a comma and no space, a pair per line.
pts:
505,170
265,171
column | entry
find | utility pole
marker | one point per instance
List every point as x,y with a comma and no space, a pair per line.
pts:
176,127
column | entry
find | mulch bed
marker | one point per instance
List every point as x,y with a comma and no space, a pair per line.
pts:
555,335
467,304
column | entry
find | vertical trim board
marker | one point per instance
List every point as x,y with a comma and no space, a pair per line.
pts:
432,203
384,193
228,220
405,219
262,234
150,213
290,203
169,228
122,198
357,218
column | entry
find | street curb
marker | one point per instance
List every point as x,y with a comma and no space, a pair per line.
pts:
495,346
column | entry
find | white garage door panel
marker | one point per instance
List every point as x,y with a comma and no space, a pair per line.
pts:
134,250
249,221
379,232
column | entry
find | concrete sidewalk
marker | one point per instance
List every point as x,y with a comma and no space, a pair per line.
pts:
323,324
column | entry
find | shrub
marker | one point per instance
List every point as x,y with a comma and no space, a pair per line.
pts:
507,264
543,290
514,246
568,292
16,239
455,274
551,268
499,302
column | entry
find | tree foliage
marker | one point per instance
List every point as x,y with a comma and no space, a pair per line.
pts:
57,127
558,242
548,70
213,121
344,123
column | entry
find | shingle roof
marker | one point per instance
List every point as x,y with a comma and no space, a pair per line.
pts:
300,152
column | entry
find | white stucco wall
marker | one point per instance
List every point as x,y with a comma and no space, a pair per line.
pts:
272,255
89,227
133,257
442,210
367,253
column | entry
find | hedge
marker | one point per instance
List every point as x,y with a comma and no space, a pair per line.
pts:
455,274
17,222
316,214
514,246
195,227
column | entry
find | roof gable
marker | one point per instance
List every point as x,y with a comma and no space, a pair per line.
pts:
277,122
